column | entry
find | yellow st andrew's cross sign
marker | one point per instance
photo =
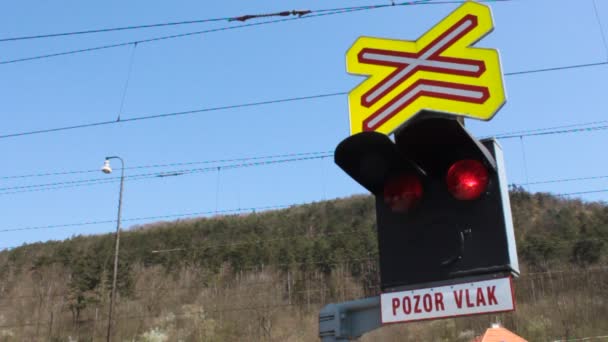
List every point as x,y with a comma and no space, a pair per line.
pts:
439,72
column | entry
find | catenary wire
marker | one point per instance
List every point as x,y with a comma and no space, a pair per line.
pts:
318,154
250,104
549,128
206,213
216,161
563,131
111,29
601,28
160,217
165,115
181,172
188,34
164,174
165,24
563,180
149,40
228,19
506,135
176,172
583,192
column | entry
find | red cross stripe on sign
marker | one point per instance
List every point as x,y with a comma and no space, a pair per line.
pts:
439,66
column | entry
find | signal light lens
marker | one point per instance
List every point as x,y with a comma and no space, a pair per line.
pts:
467,179
403,193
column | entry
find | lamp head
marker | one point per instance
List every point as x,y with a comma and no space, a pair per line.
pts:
106,167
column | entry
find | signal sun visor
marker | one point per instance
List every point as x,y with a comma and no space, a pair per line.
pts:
371,158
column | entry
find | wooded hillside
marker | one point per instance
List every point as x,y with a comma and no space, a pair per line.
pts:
264,276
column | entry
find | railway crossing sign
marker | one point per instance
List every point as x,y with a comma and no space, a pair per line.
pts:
440,72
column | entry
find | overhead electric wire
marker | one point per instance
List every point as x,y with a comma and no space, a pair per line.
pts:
601,28
558,68
111,29
553,132
216,161
155,39
255,104
205,213
563,180
312,14
321,13
165,115
228,19
505,135
583,192
549,128
291,158
177,23
170,173
159,217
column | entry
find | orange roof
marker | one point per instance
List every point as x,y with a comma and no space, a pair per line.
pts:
498,334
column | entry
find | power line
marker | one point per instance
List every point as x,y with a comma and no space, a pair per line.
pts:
179,172
172,173
268,102
111,29
559,68
583,192
155,39
298,13
165,115
601,28
506,135
553,132
216,161
159,217
205,213
563,180
126,87
548,128
318,13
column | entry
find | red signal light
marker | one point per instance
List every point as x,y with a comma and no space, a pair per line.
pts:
403,193
467,179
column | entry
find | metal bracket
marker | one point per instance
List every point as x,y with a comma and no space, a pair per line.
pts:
349,320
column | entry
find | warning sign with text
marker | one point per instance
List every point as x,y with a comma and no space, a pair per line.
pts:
487,296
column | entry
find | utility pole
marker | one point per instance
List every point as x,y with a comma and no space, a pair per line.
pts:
107,169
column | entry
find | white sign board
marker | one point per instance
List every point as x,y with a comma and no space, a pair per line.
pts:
487,296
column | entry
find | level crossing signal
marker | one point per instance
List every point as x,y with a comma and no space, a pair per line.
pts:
442,202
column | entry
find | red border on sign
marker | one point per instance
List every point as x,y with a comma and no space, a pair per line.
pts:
434,57
452,316
484,90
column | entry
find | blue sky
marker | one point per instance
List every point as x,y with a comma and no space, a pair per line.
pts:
260,63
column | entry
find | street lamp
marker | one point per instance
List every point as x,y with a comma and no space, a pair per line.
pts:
107,170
